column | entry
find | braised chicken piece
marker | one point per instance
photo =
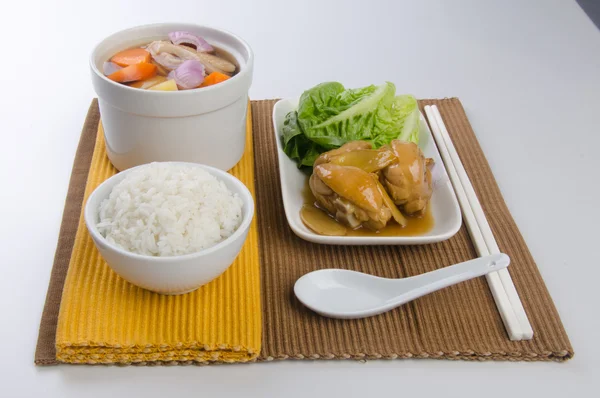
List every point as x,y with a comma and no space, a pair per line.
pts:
362,187
351,195
345,184
359,154
408,179
347,147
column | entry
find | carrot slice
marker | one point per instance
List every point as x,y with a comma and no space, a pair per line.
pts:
132,56
132,73
214,78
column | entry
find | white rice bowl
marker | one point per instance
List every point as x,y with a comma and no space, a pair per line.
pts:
169,209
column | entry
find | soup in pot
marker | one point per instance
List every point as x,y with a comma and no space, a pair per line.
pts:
183,61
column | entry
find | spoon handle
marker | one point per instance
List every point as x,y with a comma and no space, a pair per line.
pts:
420,285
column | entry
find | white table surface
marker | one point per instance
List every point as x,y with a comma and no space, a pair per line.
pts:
528,74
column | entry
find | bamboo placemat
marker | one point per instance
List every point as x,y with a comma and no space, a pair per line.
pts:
460,322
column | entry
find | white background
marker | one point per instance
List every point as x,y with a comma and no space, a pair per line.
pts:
527,72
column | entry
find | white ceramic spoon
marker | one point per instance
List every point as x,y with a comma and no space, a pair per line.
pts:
339,293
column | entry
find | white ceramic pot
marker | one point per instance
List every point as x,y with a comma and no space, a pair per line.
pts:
206,125
176,274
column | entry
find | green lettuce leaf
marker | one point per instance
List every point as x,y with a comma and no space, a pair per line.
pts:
296,145
329,116
408,116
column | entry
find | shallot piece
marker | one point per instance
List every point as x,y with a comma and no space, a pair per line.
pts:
110,67
190,38
190,74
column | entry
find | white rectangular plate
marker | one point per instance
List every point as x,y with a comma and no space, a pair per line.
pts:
444,206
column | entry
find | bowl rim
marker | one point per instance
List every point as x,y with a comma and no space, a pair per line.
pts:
234,79
243,192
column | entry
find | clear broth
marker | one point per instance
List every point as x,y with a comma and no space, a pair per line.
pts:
219,52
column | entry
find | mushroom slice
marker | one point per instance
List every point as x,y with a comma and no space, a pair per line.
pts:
212,63
170,55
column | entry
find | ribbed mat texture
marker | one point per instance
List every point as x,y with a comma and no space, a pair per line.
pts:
104,319
460,322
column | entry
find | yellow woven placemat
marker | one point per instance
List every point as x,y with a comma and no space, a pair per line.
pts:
104,319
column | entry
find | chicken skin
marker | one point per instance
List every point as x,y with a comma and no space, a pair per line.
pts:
408,179
351,195
363,187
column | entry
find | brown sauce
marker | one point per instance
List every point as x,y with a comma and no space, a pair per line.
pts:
416,225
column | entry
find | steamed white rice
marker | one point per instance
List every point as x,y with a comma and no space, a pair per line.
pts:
163,209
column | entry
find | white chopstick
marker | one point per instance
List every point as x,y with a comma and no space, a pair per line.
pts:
501,285
483,224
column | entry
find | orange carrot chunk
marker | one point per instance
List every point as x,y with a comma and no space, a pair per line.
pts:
132,56
132,73
214,78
